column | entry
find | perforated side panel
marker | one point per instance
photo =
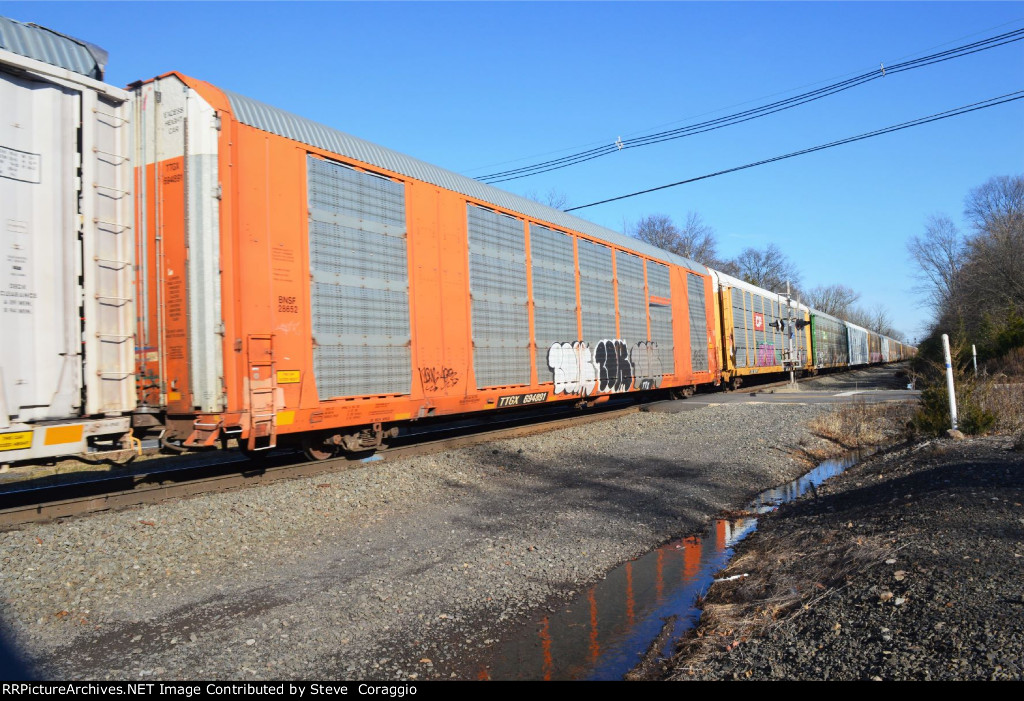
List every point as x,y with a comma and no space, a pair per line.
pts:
757,348
597,295
360,289
554,293
497,288
831,347
858,339
632,306
698,323
658,285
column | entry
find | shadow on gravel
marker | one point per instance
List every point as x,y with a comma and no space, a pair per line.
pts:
947,481
115,648
614,489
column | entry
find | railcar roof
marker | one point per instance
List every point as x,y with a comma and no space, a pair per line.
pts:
48,46
276,121
744,285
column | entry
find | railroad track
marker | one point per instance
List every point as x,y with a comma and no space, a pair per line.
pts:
118,491
233,471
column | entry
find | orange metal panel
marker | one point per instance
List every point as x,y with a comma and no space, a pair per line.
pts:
171,276
438,277
680,327
266,291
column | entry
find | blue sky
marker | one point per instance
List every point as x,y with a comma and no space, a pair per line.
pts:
472,85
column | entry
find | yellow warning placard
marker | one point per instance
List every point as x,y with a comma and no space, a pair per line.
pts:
16,441
287,377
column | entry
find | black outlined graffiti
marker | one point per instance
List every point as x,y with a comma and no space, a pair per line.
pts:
615,371
647,367
573,368
435,380
611,367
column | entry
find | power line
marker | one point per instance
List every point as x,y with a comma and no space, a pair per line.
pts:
955,112
753,113
739,104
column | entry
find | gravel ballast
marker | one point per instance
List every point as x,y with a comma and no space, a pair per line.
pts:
392,570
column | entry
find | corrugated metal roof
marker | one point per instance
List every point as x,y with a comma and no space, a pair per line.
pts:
744,285
262,116
42,44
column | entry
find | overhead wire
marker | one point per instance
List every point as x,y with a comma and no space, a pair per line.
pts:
738,104
955,112
753,113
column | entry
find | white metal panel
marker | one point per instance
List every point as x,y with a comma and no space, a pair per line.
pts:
730,281
202,192
40,353
858,344
175,122
108,255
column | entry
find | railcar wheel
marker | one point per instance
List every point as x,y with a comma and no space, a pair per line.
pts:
320,447
172,447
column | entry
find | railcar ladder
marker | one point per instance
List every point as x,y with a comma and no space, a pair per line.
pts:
262,391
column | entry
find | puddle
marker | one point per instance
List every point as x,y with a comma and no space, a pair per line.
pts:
605,630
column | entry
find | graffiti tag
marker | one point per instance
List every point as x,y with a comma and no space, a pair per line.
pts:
647,367
766,356
435,380
613,366
573,368
615,372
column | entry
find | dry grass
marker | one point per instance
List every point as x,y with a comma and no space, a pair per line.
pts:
1010,365
784,578
859,425
1006,401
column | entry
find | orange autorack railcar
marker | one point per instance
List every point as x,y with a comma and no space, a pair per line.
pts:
299,285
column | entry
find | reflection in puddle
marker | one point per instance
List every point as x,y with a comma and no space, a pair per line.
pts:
603,632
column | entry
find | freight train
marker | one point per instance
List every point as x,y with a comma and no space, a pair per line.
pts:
182,259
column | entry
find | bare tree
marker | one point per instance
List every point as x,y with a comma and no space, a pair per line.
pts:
858,316
553,198
994,273
882,322
697,240
997,207
832,299
940,255
768,268
876,319
658,230
975,282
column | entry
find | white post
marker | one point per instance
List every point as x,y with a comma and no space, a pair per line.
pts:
974,355
789,334
949,379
